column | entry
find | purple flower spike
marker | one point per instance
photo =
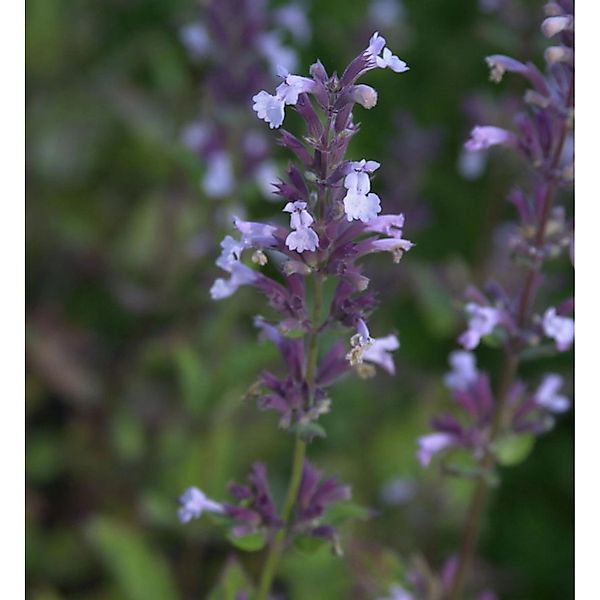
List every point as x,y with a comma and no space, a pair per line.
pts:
194,502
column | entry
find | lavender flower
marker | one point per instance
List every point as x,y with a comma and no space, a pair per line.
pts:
194,502
560,329
482,320
547,395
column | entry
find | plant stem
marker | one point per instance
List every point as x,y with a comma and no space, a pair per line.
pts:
276,548
278,543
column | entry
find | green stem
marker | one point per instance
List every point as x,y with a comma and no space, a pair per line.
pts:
278,543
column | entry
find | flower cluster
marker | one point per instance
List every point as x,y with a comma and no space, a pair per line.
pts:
471,429
334,222
496,425
254,513
243,42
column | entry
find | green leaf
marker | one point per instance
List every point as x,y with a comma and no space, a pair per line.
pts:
248,543
194,378
344,511
513,449
309,431
233,580
309,544
136,567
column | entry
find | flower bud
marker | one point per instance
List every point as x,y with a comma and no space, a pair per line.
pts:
558,54
364,95
553,25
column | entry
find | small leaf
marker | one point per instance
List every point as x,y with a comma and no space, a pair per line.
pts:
309,544
309,431
248,543
344,511
513,449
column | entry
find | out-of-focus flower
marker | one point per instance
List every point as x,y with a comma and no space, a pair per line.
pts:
431,444
482,320
485,136
194,502
547,395
464,371
560,329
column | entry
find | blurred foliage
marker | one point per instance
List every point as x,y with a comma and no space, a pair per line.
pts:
135,380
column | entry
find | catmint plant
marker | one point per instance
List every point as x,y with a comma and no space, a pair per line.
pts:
307,264
240,44
496,422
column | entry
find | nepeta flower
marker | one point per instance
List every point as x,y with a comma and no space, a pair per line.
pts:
398,593
464,371
376,45
560,329
270,108
194,502
482,320
380,350
359,204
482,137
547,395
218,180
303,238
431,444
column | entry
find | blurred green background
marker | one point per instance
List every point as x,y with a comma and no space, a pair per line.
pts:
135,379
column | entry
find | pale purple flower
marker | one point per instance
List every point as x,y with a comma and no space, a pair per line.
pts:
195,135
547,395
240,275
431,444
471,163
482,320
303,237
364,95
269,108
392,61
194,502
266,175
397,592
218,179
385,13
361,207
553,25
560,329
278,55
464,371
379,352
484,136
255,235
293,18
376,46
196,39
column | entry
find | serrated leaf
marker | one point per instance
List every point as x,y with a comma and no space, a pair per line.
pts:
136,567
513,449
248,543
